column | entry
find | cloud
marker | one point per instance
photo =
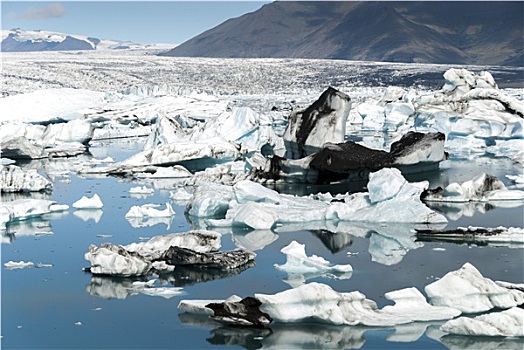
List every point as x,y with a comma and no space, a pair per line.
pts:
53,10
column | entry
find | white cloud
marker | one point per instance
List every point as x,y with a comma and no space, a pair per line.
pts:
52,10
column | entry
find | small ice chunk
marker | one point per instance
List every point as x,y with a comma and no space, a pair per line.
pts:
149,210
11,265
89,203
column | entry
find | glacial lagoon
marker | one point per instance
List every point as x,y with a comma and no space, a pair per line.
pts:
63,307
57,304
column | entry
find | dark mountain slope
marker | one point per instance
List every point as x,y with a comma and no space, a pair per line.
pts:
485,32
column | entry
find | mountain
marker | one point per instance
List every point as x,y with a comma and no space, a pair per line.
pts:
453,32
17,40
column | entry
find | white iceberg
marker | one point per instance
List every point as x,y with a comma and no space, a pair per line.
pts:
207,152
85,202
251,205
22,209
301,267
16,179
150,210
141,190
320,303
507,323
467,290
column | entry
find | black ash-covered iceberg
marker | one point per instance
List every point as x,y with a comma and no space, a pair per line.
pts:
414,152
323,121
163,253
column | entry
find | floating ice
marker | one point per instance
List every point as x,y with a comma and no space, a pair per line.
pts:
22,209
301,267
141,190
198,307
16,179
467,290
266,208
11,265
482,188
149,210
507,323
138,259
320,303
18,264
323,121
112,259
89,203
512,236
198,240
201,153
349,161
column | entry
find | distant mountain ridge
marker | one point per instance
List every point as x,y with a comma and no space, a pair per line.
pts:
18,40
454,32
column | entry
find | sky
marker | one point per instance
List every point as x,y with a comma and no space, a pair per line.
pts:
145,22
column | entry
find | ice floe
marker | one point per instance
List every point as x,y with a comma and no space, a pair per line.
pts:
85,202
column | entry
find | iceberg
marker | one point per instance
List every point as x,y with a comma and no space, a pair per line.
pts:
112,259
22,209
301,267
16,179
230,259
85,202
149,210
482,188
141,190
137,259
349,161
320,303
249,204
467,290
510,236
240,313
323,121
198,154
507,323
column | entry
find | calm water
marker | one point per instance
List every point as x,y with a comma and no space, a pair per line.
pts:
64,307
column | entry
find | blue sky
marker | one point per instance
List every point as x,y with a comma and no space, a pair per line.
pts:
170,22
